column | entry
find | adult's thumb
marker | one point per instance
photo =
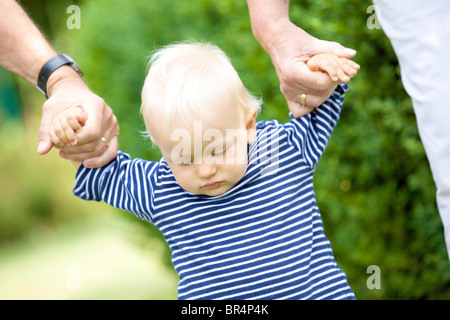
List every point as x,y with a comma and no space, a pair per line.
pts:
337,49
44,146
45,143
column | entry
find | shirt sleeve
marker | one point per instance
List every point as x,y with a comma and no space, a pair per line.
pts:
123,183
311,133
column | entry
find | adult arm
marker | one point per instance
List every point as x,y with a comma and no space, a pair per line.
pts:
290,47
24,50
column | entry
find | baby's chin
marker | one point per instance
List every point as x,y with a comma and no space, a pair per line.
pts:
216,191
212,192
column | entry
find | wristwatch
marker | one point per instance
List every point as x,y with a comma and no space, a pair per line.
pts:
50,66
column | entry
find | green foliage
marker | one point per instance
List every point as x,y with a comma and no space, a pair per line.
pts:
36,194
373,184
115,42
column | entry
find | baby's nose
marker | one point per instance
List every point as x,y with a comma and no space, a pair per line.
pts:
206,170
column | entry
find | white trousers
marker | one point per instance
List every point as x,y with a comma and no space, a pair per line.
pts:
420,35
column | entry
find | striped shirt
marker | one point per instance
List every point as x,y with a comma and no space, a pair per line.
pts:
262,239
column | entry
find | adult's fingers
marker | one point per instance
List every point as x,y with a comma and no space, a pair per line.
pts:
104,154
99,118
296,76
55,134
316,85
94,149
106,157
111,141
335,48
298,110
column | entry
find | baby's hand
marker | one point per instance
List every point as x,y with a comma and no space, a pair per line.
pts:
339,69
66,125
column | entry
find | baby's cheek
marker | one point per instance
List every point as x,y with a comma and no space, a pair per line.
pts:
237,172
184,178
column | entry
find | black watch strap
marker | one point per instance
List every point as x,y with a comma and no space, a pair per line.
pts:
50,66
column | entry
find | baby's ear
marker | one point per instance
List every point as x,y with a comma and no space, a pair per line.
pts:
251,136
250,125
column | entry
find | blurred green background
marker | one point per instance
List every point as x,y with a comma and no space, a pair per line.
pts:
373,184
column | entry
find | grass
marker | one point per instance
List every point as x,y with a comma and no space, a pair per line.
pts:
85,261
55,246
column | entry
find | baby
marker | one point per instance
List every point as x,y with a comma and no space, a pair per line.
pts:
233,197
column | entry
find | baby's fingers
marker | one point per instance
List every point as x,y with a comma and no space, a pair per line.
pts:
65,127
343,76
69,132
353,64
349,67
57,134
335,70
332,68
72,124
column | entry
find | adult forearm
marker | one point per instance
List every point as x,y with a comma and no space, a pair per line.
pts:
24,51
263,12
269,19
23,48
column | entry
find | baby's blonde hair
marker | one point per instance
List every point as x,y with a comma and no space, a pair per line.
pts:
184,78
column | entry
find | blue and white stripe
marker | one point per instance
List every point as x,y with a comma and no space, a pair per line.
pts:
262,239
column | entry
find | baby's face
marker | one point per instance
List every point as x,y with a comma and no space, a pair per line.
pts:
206,157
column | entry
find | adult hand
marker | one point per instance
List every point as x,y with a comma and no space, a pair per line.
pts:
24,50
290,48
66,89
